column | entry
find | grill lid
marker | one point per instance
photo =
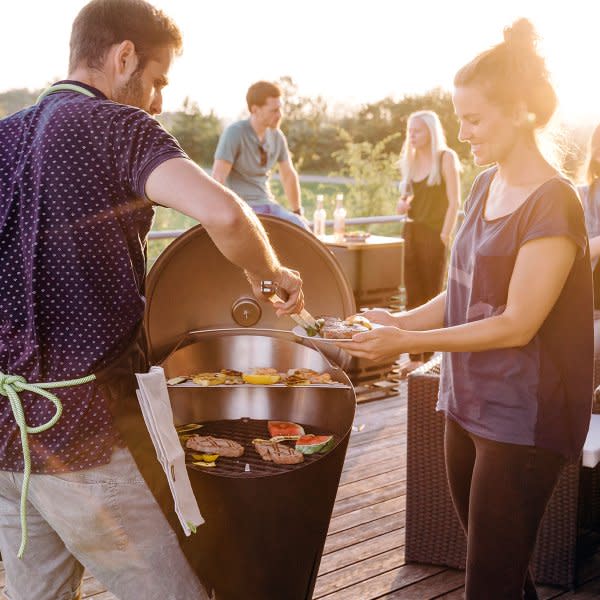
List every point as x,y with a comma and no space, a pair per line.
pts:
192,286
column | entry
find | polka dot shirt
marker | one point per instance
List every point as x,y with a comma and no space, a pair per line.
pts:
73,227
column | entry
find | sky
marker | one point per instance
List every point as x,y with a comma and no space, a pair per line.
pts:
349,51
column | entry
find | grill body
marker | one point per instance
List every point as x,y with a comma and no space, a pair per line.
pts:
264,532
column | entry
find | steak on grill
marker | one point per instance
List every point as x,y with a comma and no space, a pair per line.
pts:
212,445
277,453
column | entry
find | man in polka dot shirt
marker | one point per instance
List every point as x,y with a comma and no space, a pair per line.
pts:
79,172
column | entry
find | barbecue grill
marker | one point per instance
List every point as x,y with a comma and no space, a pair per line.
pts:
266,523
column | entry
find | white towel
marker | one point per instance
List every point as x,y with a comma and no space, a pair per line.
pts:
153,396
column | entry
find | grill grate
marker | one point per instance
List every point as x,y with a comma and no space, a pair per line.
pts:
243,431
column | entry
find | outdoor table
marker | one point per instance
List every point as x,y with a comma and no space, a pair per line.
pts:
374,267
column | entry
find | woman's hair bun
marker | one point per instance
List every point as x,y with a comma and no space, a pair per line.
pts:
521,34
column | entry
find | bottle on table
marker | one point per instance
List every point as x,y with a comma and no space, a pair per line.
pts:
319,218
339,218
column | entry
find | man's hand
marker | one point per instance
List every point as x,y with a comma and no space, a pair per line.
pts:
287,280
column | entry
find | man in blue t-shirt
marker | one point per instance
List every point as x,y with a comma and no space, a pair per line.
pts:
248,150
80,173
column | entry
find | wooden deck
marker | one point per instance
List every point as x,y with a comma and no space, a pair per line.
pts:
364,552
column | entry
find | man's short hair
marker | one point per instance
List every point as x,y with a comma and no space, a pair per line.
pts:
259,92
103,23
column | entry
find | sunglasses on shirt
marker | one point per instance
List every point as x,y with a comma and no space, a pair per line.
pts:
263,156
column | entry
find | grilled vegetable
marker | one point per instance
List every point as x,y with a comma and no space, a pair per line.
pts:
316,330
311,444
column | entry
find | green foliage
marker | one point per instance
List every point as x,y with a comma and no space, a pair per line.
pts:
12,101
311,134
197,133
372,167
378,120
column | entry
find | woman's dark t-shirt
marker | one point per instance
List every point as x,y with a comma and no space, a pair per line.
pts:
539,394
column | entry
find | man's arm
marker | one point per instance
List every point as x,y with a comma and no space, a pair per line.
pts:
221,170
238,234
291,185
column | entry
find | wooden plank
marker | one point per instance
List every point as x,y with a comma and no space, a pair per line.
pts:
367,514
387,582
361,551
369,498
362,471
376,481
396,442
366,531
432,587
367,459
353,574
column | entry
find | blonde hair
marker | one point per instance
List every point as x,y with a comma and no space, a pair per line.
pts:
438,144
592,166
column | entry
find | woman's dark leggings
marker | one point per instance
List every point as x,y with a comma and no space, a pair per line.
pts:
500,492
424,264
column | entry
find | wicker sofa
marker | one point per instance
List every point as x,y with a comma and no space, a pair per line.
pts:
433,532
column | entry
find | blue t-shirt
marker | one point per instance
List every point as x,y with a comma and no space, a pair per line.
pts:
251,160
73,226
539,394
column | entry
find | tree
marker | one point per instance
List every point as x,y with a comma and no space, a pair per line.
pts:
373,169
197,133
14,100
311,134
378,120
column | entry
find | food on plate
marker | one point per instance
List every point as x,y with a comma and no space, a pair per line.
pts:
262,376
356,236
306,377
207,379
200,463
359,320
176,380
344,329
285,428
336,328
232,377
255,379
315,330
207,444
311,444
278,453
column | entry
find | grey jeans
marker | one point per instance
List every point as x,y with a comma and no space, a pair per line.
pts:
104,519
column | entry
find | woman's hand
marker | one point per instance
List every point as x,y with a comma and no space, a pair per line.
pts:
402,207
380,316
378,344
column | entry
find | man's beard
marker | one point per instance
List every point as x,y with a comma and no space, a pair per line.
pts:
131,93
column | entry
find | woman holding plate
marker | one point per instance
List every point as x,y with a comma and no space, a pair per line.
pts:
515,323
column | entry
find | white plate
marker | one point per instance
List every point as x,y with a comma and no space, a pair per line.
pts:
301,333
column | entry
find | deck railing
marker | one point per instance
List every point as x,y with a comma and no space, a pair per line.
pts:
168,234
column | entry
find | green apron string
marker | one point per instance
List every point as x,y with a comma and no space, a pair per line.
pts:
11,386
65,87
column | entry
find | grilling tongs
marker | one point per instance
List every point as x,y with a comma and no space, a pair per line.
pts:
275,294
